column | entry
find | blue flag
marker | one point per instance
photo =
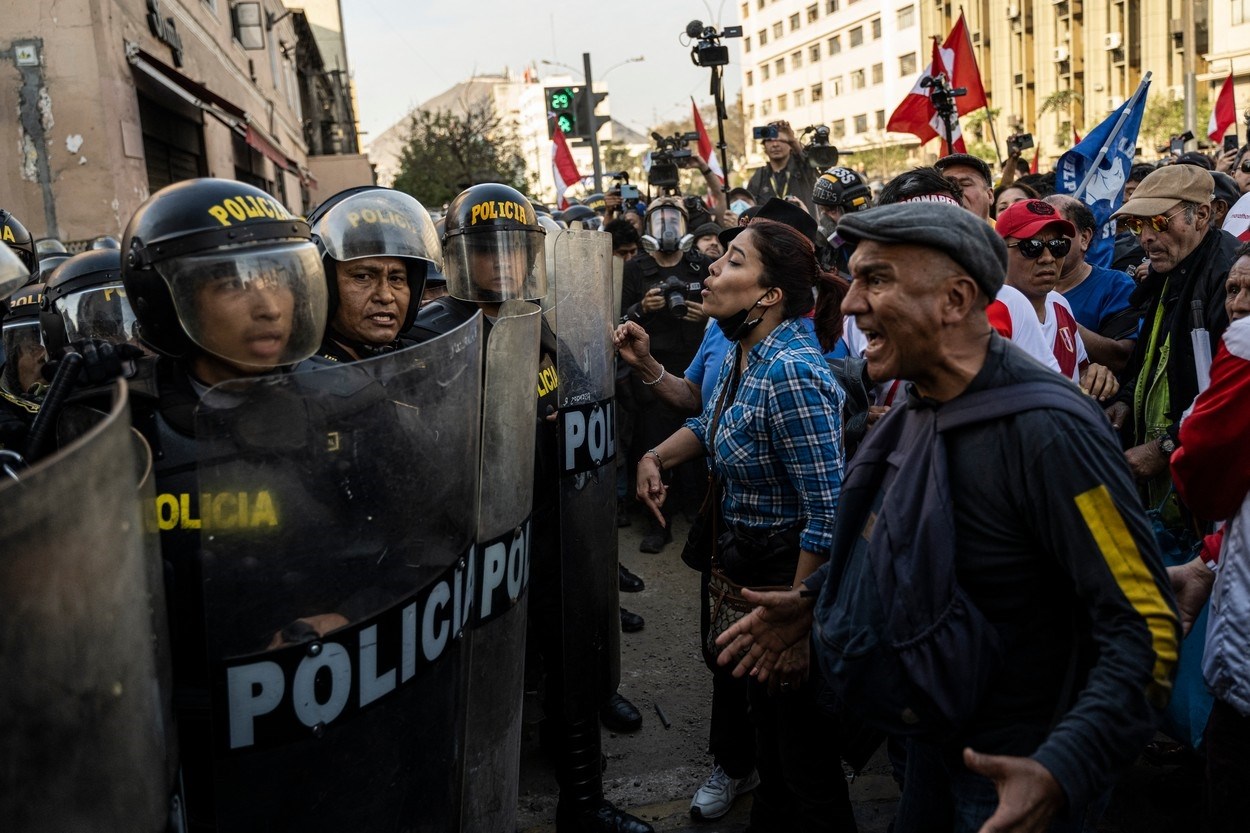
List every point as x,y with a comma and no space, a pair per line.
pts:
1104,191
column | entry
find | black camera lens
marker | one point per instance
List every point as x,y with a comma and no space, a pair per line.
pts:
674,292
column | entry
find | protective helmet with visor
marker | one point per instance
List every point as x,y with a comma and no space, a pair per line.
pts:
494,247
665,227
84,299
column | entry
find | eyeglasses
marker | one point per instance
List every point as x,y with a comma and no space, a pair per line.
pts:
1244,167
1158,222
1031,249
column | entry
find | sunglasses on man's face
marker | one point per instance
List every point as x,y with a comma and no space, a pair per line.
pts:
1032,248
1158,222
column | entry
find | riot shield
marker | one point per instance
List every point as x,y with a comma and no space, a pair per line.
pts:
582,318
84,719
495,641
336,520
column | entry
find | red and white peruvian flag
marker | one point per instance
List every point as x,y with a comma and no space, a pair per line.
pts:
1224,113
562,167
916,114
705,144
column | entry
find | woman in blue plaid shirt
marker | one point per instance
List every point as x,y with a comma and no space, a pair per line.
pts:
776,451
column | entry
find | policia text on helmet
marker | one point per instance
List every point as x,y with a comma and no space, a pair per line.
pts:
377,246
221,275
493,247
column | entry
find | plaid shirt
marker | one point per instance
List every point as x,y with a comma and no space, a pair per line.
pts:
778,449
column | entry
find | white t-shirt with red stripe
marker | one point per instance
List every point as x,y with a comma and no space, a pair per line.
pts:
1061,333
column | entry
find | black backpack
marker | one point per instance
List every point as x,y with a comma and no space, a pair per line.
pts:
899,642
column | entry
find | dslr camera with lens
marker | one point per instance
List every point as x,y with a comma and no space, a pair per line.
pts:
673,290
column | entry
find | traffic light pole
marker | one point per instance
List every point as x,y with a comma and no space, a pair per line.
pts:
593,125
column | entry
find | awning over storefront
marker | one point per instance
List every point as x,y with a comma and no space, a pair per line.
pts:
225,111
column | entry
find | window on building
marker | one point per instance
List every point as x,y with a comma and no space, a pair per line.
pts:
763,36
1241,12
173,145
878,73
818,93
794,22
837,86
750,78
838,128
857,36
782,101
881,119
907,17
746,44
813,13
746,10
831,6
759,5
835,44
778,29
800,98
876,28
857,79
765,72
750,111
813,53
766,107
796,60
861,123
907,64
780,66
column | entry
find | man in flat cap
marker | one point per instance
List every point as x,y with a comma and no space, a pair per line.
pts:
1046,541
1170,212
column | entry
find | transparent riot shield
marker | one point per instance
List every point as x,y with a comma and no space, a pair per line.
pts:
582,318
84,719
337,517
495,641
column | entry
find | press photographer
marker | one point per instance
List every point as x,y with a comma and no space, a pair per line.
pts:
787,173
662,291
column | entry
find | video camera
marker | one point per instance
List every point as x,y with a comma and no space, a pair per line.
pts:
708,51
941,93
1017,142
670,154
819,153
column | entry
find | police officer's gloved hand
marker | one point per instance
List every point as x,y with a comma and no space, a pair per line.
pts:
102,361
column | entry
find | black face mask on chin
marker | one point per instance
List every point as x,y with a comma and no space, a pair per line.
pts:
736,326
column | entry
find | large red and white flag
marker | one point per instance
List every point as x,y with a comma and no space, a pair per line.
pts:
1224,113
562,167
917,115
705,144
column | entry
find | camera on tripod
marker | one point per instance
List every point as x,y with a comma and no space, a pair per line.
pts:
708,51
941,93
670,154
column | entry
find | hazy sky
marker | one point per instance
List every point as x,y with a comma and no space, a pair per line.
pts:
403,52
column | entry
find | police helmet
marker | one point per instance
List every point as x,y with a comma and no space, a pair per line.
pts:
205,256
664,226
377,222
105,241
434,273
19,240
45,246
596,202
843,189
84,298
48,264
13,273
493,249
582,217
22,344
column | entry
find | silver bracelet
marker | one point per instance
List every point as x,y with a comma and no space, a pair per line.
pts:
658,379
659,461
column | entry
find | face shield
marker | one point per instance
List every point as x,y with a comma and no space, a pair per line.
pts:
495,265
98,312
24,356
253,306
380,224
13,272
666,230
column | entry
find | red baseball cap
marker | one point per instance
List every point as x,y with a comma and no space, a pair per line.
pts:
1026,218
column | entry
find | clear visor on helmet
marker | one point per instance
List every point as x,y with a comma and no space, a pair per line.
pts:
13,273
24,356
379,224
666,220
496,265
253,306
98,312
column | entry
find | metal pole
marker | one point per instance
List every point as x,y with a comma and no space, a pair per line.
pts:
589,115
1188,63
718,97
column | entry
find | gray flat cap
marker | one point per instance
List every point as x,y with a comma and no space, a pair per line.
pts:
961,235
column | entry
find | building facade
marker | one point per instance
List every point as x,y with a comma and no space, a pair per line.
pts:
118,98
845,64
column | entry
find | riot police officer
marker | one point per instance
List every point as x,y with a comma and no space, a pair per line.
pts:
837,191
15,235
377,246
21,379
493,252
662,291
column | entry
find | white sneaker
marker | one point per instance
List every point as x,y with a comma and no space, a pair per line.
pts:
716,796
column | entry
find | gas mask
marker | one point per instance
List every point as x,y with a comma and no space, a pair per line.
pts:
666,230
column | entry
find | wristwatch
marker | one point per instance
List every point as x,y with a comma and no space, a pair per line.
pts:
1166,444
